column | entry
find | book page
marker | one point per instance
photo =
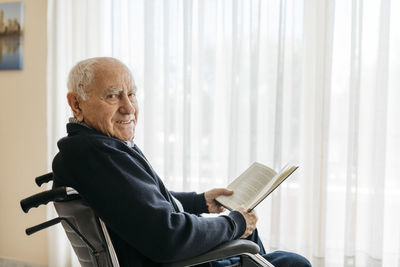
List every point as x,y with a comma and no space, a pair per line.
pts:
247,186
284,173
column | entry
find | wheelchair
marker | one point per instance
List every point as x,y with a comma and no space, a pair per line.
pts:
92,244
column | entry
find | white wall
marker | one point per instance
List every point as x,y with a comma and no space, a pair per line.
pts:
23,140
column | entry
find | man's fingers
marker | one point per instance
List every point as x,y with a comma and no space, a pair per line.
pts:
214,193
251,221
223,191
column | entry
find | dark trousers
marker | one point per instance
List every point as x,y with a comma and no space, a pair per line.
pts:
277,258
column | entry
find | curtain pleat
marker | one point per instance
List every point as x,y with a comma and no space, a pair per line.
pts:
353,129
187,90
378,167
321,39
150,94
277,156
234,85
254,39
169,28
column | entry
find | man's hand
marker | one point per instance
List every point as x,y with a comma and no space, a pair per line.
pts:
251,221
210,196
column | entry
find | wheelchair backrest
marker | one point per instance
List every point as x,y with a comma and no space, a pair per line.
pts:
82,217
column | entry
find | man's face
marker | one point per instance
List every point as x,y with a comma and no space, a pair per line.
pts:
111,107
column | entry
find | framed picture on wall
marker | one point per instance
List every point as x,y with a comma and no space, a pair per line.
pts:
11,35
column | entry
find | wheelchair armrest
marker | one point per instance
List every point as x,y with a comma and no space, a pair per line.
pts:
226,250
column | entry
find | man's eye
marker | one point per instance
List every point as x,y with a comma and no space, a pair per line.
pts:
111,96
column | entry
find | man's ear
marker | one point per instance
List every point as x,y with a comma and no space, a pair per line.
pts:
75,104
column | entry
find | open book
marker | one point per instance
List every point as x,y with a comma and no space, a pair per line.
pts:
254,185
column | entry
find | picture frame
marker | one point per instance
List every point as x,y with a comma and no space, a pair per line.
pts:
11,35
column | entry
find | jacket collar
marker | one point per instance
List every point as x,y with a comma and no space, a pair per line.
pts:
74,128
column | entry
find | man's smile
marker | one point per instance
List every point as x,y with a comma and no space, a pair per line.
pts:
124,122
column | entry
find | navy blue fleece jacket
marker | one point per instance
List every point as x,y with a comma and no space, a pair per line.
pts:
126,193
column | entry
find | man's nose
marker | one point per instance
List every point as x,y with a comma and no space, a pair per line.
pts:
126,106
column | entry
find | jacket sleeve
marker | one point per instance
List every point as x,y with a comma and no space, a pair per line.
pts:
192,202
130,202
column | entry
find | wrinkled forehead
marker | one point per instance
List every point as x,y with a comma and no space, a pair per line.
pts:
112,76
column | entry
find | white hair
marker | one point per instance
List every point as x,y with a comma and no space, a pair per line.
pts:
82,74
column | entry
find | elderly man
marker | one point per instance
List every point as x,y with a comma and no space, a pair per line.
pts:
100,160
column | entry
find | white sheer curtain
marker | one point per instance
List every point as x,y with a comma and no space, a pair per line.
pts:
225,83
